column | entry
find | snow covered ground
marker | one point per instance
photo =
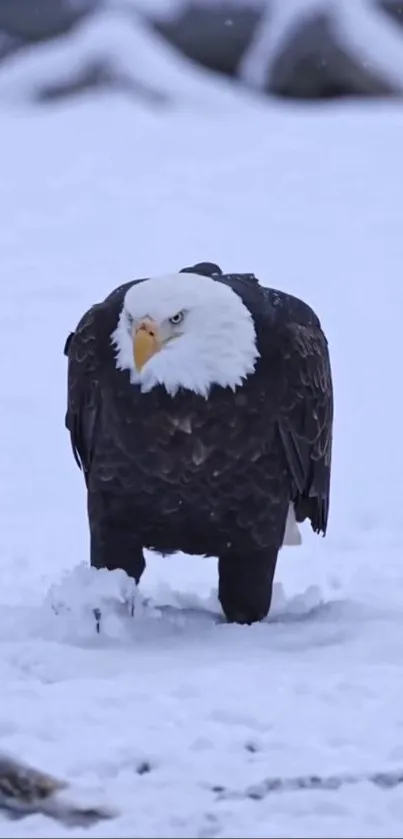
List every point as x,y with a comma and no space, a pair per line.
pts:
156,712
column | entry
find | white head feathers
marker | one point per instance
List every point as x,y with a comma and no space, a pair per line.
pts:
202,334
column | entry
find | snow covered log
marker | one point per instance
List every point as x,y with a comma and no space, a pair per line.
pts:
25,791
115,50
295,48
301,49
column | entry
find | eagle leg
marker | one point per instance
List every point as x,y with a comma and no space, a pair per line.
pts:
113,536
245,584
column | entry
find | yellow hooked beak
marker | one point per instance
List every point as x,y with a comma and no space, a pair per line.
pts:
146,342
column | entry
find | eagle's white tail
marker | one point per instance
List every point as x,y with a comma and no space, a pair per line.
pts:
292,535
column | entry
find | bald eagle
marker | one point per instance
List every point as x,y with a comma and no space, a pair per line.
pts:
200,409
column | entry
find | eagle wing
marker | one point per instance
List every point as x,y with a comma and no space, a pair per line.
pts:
306,421
84,391
89,355
300,356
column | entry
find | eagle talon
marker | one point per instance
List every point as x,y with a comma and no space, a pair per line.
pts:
97,616
131,606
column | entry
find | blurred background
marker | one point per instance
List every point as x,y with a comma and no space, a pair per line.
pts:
297,49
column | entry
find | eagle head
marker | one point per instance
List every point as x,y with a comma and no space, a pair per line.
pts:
185,331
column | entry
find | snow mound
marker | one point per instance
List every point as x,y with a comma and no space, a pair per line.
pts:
89,605
84,592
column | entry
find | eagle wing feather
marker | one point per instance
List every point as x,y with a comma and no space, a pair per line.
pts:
87,352
83,389
306,421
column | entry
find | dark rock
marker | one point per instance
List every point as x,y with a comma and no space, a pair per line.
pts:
251,747
144,768
25,791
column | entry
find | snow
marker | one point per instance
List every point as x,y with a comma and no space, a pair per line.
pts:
158,712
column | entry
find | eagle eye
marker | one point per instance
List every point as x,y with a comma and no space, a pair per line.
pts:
177,319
